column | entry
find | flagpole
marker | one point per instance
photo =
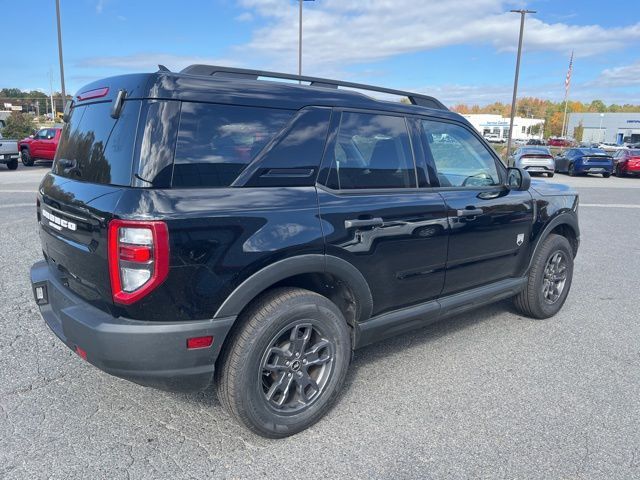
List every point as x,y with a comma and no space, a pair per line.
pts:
567,86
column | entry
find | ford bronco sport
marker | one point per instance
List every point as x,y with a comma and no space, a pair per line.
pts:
213,226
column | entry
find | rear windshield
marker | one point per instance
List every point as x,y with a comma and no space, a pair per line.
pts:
216,142
96,148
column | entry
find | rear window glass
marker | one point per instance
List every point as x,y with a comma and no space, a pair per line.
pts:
216,142
96,148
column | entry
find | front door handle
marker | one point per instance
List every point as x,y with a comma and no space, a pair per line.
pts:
469,212
367,222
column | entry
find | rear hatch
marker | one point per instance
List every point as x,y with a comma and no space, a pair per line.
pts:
76,201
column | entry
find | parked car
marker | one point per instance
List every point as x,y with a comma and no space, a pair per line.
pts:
576,161
534,160
536,141
41,146
627,162
560,142
209,225
9,153
494,138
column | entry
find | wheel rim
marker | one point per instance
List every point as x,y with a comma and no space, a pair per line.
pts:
555,277
296,367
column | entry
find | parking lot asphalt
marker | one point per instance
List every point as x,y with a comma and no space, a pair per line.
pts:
488,394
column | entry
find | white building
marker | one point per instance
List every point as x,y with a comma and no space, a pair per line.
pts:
606,127
488,123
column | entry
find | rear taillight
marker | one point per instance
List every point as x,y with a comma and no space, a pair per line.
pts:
138,258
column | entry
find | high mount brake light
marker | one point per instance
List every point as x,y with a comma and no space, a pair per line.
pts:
138,254
96,93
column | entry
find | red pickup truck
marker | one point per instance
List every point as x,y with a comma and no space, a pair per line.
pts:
41,146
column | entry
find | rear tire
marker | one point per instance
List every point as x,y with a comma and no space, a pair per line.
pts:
27,160
549,279
283,368
550,175
12,165
606,175
619,173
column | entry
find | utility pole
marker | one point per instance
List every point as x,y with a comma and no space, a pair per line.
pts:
515,81
64,95
53,105
300,36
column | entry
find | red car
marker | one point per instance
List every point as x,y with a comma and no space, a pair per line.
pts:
559,142
41,146
627,162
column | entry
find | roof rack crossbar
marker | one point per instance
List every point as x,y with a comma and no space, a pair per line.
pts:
231,72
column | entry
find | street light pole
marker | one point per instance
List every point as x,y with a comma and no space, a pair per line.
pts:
600,128
64,96
515,81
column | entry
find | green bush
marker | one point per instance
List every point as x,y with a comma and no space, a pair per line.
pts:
18,126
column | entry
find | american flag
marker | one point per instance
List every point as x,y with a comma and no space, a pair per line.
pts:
567,81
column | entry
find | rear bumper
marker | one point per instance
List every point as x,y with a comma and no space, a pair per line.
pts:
149,353
594,168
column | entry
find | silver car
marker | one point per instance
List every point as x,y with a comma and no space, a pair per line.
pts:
534,159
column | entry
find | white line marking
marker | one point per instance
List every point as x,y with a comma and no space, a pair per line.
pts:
610,205
19,205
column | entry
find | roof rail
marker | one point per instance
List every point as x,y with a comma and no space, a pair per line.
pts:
248,74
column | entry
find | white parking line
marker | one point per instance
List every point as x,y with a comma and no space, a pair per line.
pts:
18,205
610,205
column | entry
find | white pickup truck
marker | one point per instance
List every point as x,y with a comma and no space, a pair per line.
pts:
9,153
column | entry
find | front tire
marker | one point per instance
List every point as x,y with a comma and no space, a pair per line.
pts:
571,171
27,160
12,165
606,175
282,370
549,279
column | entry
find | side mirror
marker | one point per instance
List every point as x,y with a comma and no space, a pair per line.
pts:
518,179
32,136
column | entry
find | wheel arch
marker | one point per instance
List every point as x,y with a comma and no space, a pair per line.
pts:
327,275
564,224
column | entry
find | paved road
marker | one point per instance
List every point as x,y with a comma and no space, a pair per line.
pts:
488,394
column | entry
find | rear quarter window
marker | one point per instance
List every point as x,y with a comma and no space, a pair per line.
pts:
216,142
96,148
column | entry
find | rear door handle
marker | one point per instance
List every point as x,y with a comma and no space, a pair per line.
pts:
367,222
469,212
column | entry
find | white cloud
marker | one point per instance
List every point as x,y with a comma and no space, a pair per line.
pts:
344,32
244,17
625,76
150,61
100,6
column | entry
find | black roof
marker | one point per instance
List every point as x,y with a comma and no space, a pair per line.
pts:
194,84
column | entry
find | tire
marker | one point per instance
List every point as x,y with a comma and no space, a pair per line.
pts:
606,175
533,301
550,175
27,160
619,173
12,165
269,325
571,171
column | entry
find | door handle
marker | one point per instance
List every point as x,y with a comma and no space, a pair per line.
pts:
367,222
469,212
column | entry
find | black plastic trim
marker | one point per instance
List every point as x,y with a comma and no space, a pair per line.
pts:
407,319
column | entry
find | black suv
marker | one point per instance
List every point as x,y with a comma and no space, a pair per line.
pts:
211,223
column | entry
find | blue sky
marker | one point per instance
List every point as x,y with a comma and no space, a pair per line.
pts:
459,50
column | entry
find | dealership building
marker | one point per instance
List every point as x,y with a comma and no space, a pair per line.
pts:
616,128
523,128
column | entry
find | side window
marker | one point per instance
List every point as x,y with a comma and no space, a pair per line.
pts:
216,142
371,151
460,158
42,134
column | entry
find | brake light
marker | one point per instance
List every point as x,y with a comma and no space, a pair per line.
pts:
96,93
138,258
